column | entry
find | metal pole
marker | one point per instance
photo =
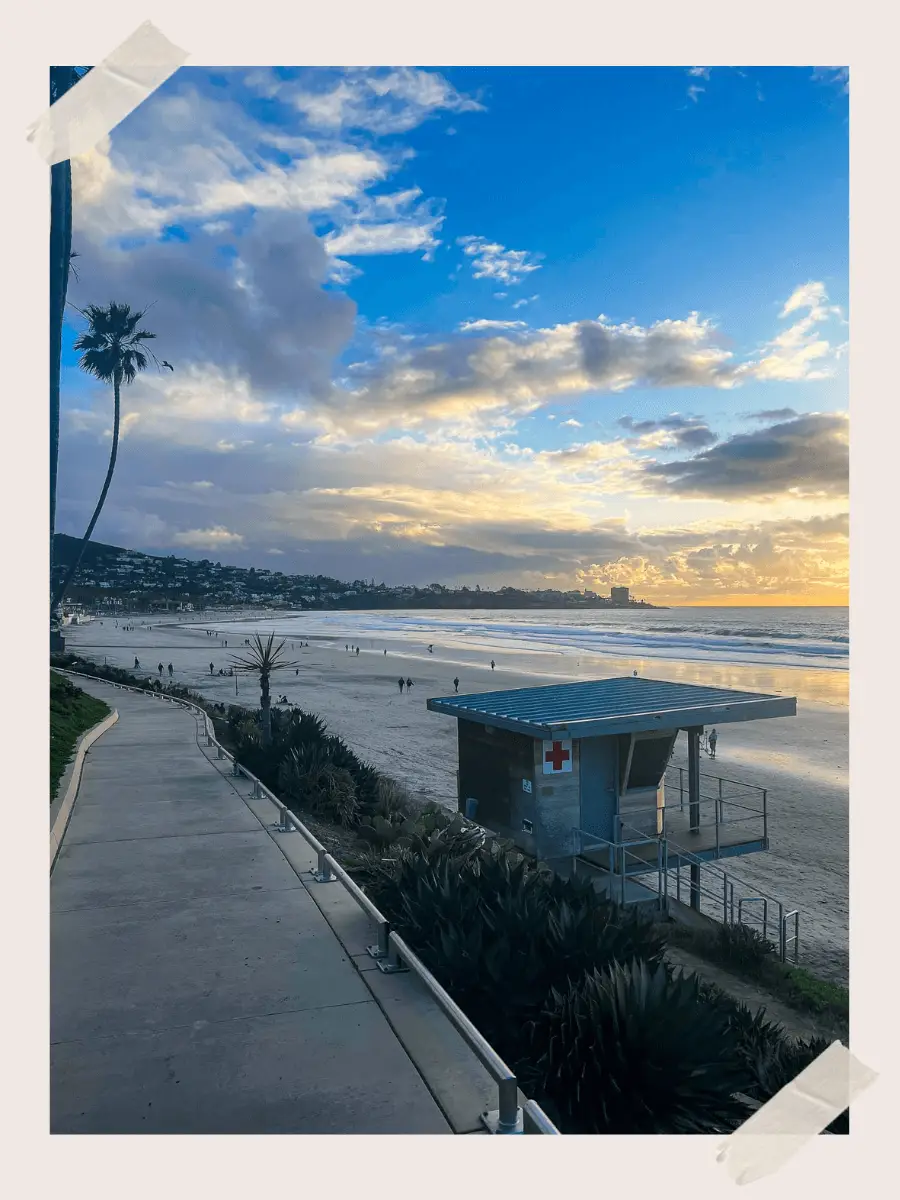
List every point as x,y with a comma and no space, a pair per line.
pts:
508,1116
681,789
694,777
725,899
695,886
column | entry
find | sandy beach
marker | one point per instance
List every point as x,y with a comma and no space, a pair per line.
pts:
802,761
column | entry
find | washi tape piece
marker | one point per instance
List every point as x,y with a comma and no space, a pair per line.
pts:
799,1112
106,95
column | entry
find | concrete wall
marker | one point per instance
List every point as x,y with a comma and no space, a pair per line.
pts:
557,804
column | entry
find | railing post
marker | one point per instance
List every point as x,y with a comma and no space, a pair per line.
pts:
725,899
508,1117
681,789
220,753
324,873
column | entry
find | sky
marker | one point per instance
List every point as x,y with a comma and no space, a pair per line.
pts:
540,327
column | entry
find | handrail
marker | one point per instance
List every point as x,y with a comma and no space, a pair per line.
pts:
536,1120
508,1115
390,949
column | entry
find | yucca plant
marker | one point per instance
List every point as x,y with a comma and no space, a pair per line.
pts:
263,659
630,1049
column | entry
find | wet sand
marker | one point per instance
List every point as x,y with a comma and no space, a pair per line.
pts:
802,761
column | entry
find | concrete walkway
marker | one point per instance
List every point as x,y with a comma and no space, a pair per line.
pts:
196,984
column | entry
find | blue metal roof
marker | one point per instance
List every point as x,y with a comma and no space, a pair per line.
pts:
605,706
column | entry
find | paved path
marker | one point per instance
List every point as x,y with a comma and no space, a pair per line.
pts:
196,987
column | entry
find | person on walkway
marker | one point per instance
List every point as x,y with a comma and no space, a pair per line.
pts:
456,684
712,739
160,669
493,664
401,683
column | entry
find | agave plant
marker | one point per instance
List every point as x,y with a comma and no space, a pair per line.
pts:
630,1049
310,779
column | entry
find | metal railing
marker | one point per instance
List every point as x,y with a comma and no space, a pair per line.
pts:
619,857
738,901
723,793
389,951
729,821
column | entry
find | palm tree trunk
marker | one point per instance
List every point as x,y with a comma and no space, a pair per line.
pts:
61,79
70,574
265,703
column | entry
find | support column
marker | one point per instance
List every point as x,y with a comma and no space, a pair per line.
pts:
694,804
694,777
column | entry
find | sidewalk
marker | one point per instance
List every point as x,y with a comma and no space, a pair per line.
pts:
196,984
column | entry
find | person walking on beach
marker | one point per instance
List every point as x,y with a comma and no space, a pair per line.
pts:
456,684
170,671
711,740
385,654
408,684
401,682
160,669
357,651
137,664
211,669
493,664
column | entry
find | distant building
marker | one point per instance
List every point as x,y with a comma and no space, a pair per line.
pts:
619,595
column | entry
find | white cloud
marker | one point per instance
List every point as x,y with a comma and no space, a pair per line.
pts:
800,351
215,538
694,91
525,300
699,72
484,323
490,260
572,423
378,100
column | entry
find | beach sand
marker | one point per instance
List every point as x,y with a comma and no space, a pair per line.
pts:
802,761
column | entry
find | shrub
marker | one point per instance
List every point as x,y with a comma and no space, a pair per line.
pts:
309,778
630,1049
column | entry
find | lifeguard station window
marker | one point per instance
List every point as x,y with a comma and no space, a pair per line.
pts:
647,760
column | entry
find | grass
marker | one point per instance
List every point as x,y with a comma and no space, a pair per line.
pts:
795,986
72,712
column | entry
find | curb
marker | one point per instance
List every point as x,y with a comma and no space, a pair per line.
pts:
60,824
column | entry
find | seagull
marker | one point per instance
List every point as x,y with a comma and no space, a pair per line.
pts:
168,364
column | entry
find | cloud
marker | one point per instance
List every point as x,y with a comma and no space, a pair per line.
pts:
490,260
490,380
805,457
770,414
573,423
793,557
190,160
253,305
835,76
215,538
800,351
484,323
376,100
690,432
699,72
695,91
525,300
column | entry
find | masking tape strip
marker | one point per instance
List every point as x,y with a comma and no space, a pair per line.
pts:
800,1111
106,95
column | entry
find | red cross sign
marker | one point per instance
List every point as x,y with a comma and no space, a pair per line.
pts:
557,757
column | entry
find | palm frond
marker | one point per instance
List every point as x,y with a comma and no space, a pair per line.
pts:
264,657
112,345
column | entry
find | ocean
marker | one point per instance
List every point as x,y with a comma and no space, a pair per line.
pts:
776,637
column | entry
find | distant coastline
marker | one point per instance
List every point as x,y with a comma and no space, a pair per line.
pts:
113,578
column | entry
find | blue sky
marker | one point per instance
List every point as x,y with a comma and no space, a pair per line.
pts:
547,326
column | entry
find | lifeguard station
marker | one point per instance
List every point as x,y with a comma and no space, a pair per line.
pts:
578,775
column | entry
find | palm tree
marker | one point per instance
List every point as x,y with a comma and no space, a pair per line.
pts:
61,80
113,351
263,658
